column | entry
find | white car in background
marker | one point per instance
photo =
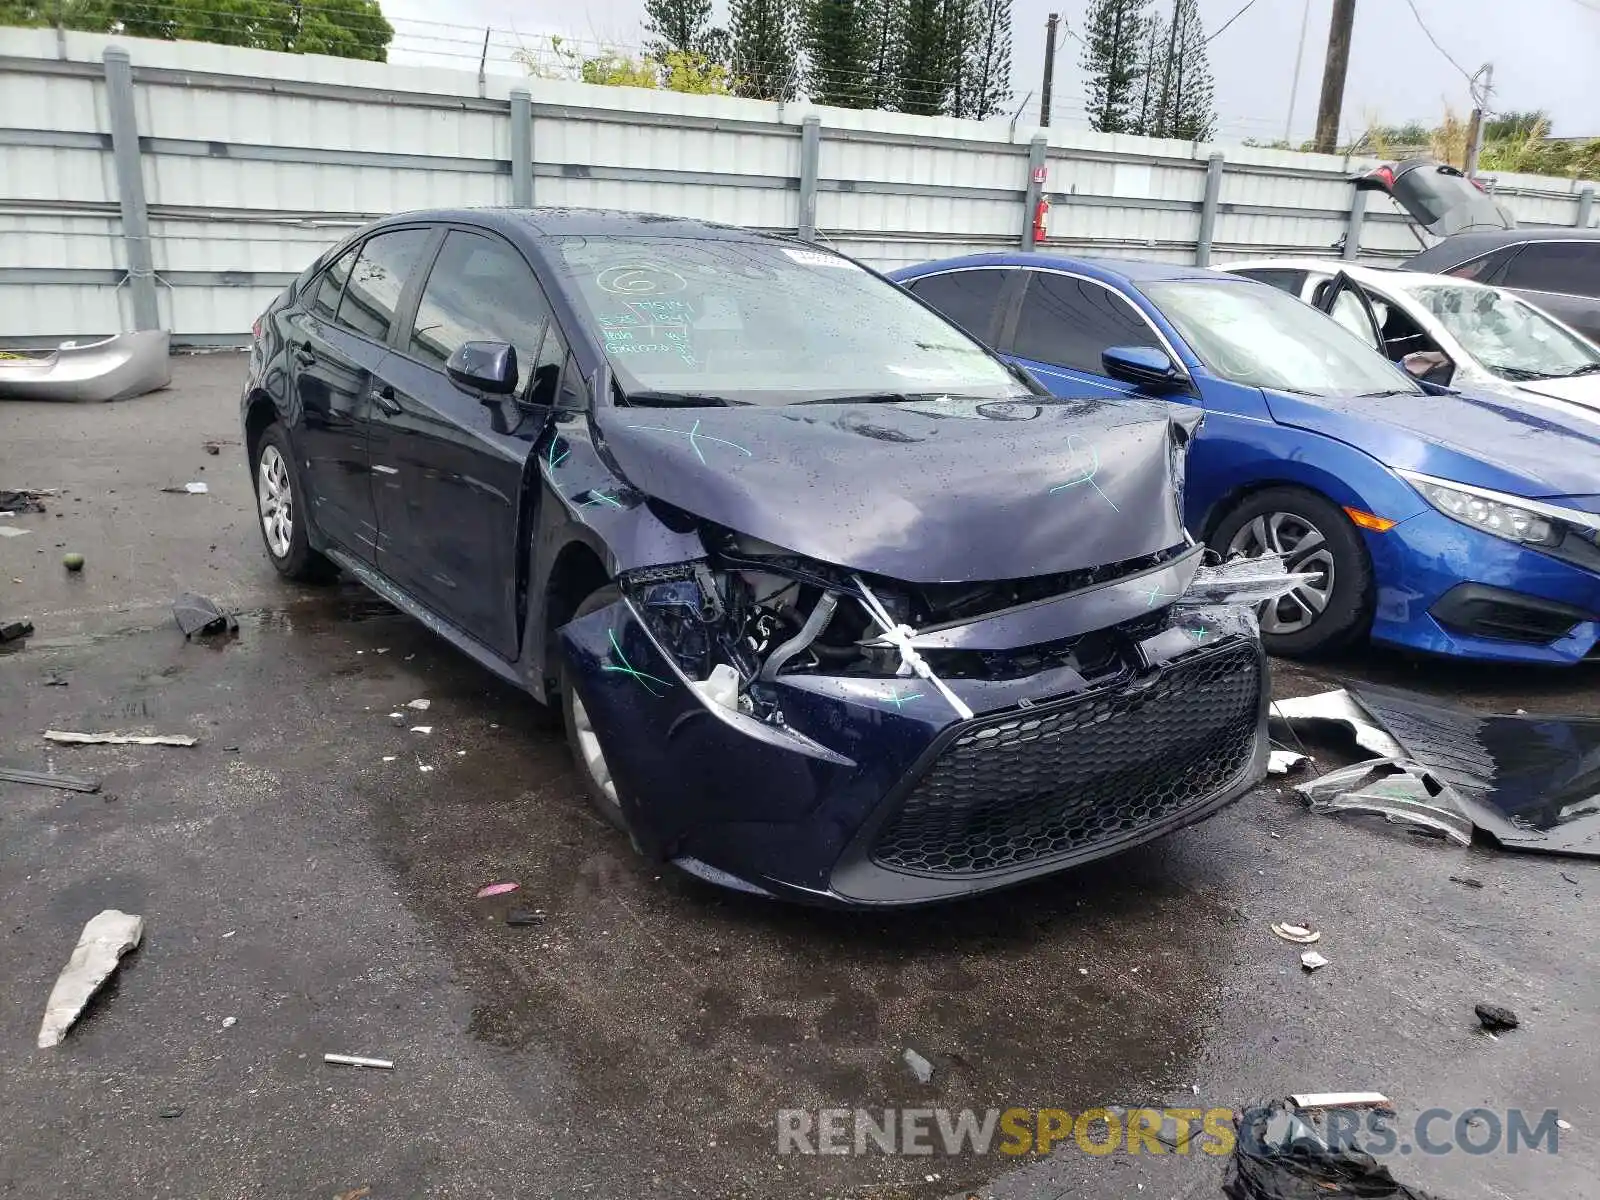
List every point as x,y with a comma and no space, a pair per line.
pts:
1443,329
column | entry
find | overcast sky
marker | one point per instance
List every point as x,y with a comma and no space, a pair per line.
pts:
1544,54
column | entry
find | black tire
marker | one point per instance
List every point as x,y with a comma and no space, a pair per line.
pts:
607,804
288,548
1350,594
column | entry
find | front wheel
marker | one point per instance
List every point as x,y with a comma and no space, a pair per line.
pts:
1314,537
587,752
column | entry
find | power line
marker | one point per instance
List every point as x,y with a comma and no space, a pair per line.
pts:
1467,75
1249,4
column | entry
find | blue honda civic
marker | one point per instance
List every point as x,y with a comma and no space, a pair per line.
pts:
1426,518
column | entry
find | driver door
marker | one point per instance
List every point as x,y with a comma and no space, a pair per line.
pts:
1343,299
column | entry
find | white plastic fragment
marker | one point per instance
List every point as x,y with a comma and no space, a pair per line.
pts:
920,1067
356,1060
1281,762
105,939
720,687
422,729
1302,934
12,531
119,739
1342,707
1341,1100
1311,960
419,705
229,1022
900,637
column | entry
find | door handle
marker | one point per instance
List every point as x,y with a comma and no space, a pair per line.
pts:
383,397
304,357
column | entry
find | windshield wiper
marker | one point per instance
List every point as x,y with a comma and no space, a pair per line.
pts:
1389,392
677,400
868,398
1518,374
1587,369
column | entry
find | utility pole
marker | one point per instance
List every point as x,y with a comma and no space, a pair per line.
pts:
1163,122
1049,68
1294,83
1480,103
1333,73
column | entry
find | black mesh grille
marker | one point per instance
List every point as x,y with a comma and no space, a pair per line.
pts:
1031,786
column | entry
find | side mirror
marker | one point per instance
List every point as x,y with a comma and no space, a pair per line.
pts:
1144,366
484,367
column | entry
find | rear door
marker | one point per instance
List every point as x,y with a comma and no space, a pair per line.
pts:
331,370
1563,278
975,298
1064,324
448,462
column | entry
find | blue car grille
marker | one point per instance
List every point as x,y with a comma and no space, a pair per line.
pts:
1055,781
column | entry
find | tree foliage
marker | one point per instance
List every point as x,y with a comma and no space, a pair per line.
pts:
683,26
1114,51
932,53
986,66
1184,107
832,32
884,27
345,28
763,62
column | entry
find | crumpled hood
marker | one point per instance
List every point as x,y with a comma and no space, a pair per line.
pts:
1583,390
1524,446
926,492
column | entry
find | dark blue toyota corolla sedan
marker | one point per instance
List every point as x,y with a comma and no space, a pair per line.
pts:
837,606
1431,519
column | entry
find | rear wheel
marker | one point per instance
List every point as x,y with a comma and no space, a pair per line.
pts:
281,511
1315,538
588,752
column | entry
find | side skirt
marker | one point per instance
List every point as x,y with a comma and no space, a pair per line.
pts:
468,645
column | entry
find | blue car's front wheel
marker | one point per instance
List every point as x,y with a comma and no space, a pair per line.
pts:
1331,608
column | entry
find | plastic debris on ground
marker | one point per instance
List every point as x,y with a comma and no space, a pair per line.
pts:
920,1067
200,615
1312,961
496,889
192,489
68,738
22,501
15,631
1341,708
419,705
1495,1018
105,939
1394,789
1243,580
1303,935
1315,1100
1281,762
71,783
11,531
356,1060
1278,1156
525,916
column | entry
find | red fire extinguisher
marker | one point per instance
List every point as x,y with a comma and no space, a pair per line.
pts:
1041,219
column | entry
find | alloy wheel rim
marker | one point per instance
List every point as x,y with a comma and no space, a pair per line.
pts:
594,758
275,498
1304,550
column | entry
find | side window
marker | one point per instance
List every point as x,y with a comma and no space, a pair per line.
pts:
969,298
1348,312
1486,268
547,367
326,301
1067,322
480,290
1571,267
380,275
1285,279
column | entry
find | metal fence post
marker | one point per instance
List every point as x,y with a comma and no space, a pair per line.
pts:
1208,210
1036,163
521,149
1352,236
130,189
1585,206
810,159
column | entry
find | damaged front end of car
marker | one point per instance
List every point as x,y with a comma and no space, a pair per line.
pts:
788,725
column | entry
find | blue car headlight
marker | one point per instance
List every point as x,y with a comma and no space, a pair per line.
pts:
1515,518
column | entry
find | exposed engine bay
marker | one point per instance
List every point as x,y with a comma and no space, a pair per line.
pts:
751,611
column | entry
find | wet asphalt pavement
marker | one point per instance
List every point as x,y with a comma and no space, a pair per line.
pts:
310,868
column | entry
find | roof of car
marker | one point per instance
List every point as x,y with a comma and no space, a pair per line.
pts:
1463,246
588,222
1109,270
1376,277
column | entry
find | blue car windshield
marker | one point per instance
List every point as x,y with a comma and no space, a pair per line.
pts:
735,321
1254,334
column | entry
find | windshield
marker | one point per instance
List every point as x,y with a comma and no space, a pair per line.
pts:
711,321
1255,334
1510,338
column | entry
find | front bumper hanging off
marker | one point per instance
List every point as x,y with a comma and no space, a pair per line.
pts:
876,791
